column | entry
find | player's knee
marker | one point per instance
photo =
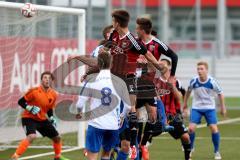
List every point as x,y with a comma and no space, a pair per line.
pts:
31,137
185,138
214,128
56,139
125,146
191,128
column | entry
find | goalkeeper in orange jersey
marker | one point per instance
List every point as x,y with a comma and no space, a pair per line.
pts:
37,103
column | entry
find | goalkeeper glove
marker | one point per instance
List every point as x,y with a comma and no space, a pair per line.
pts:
33,109
53,120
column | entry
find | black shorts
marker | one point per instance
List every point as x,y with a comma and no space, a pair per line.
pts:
141,102
45,128
125,134
142,87
179,129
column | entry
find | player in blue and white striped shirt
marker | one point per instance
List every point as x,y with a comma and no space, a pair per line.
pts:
204,89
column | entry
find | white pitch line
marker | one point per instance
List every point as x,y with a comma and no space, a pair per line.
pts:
76,148
48,153
221,122
202,138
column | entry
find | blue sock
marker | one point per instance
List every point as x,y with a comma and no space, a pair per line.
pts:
216,141
192,138
122,156
161,112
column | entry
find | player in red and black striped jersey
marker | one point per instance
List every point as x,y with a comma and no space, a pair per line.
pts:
170,94
157,48
126,50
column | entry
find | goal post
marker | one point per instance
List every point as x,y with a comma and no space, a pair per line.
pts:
29,46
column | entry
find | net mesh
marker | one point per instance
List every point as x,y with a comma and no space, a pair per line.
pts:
29,46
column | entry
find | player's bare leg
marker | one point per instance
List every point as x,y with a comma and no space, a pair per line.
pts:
105,154
92,156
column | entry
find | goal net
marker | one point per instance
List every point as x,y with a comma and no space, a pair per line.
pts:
29,46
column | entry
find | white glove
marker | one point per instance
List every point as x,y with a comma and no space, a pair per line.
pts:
33,109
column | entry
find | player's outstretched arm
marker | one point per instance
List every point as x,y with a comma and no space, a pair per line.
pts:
156,64
88,60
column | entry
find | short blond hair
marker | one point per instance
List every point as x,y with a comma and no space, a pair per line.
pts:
204,63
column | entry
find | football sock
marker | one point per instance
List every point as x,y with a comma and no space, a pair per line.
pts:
147,134
22,147
216,141
140,130
161,112
187,150
133,134
192,138
57,149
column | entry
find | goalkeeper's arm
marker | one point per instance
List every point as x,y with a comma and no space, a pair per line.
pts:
23,103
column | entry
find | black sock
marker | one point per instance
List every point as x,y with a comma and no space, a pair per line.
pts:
140,130
147,134
187,150
133,134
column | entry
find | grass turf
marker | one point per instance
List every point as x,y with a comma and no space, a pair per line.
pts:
166,148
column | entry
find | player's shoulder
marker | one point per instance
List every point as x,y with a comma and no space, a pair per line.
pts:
53,92
117,80
32,92
212,80
33,89
194,80
131,37
160,43
178,83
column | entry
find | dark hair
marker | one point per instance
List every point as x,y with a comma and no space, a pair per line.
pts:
122,17
47,73
104,60
145,24
106,30
154,33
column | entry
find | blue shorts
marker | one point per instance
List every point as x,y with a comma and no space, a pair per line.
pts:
209,114
124,126
99,137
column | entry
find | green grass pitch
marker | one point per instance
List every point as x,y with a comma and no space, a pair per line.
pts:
166,148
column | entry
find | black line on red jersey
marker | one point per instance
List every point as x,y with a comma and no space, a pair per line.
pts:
134,42
165,47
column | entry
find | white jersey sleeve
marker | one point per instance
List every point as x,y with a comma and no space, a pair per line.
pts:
216,87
